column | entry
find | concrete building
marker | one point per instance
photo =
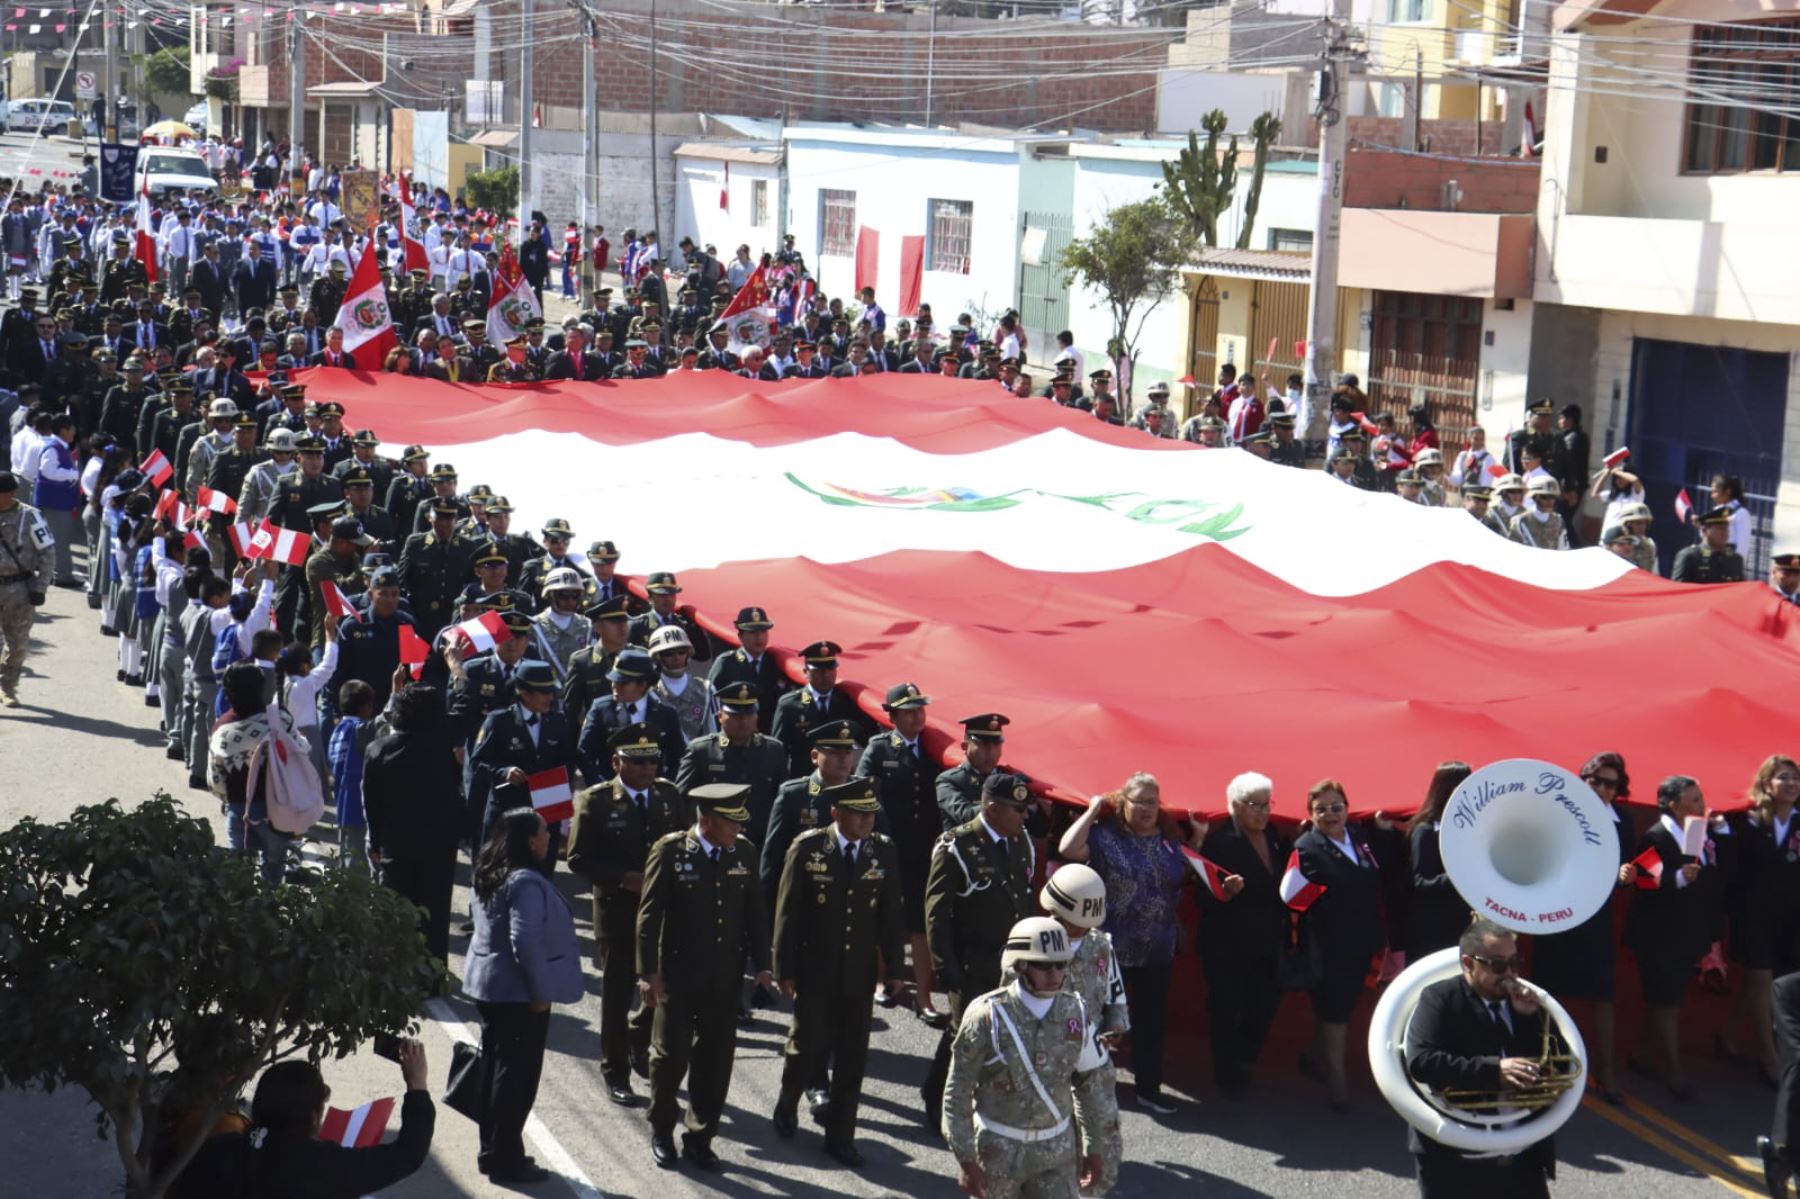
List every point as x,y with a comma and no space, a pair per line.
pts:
1664,251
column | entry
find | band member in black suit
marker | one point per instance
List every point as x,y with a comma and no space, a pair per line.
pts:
1480,1032
1670,925
1436,913
1580,964
1241,934
1339,889
1778,1147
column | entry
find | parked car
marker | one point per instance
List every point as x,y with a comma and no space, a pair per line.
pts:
165,168
32,116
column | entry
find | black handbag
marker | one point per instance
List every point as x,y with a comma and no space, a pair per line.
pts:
1301,966
464,1092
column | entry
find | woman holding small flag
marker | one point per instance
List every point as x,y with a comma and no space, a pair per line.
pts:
1243,923
1764,904
1334,877
523,958
1579,964
1122,836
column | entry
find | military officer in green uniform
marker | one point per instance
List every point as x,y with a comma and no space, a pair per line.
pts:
1537,434
443,479
818,702
589,667
555,556
1026,1091
662,588
752,662
801,804
700,916
616,823
837,929
979,886
428,570
1715,559
905,777
327,294
959,788
737,753
1476,499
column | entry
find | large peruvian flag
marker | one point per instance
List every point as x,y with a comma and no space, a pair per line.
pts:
145,248
416,258
363,316
1131,603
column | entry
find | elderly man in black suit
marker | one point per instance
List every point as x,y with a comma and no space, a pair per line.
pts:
1483,1032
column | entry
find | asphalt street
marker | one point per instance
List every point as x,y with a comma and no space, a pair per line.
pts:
81,737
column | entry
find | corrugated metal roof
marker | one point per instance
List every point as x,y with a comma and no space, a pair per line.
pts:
1288,265
729,152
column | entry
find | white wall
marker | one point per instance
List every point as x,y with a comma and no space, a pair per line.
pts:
893,182
1185,95
1500,387
431,148
697,211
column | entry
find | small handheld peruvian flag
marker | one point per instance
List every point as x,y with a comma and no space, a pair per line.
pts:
157,468
217,501
1684,507
413,650
360,1129
551,794
283,545
1212,874
241,537
1617,457
1298,891
1650,868
485,631
165,504
336,602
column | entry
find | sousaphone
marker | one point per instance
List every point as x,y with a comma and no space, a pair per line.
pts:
1529,846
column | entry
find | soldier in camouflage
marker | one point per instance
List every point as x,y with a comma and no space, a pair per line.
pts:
25,545
1541,525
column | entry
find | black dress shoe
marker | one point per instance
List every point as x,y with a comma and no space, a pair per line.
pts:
175,753
744,1018
930,1017
1776,1170
524,1173
786,1121
848,1154
620,1092
761,998
662,1149
700,1153
886,998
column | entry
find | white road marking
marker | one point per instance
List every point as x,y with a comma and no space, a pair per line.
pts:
556,1159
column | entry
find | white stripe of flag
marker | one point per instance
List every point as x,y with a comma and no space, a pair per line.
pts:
157,467
484,632
1298,891
359,1129
217,501
241,537
551,794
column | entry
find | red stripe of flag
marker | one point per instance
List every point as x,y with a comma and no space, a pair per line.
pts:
336,602
359,1129
1298,891
157,467
241,535
216,501
1210,872
282,545
484,632
1617,457
1684,507
413,650
551,794
165,503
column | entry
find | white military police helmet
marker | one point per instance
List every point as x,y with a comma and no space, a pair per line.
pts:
670,636
1077,894
563,578
1035,939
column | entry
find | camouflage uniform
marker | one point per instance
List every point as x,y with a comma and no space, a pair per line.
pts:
695,707
994,1110
1094,975
25,544
556,645
1643,554
1545,534
261,486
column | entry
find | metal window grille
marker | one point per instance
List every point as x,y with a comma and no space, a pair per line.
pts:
837,222
952,224
759,203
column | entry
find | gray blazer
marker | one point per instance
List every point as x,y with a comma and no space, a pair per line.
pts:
524,949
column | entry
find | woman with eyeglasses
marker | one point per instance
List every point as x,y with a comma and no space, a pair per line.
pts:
1241,932
1339,890
1124,836
1764,905
1579,964
1670,925
1436,913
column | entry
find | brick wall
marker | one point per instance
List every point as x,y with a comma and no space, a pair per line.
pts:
1385,179
821,63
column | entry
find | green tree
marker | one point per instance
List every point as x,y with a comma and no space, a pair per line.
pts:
138,956
496,190
166,71
1202,181
1133,258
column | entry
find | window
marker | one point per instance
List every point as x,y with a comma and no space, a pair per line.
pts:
1290,239
947,248
1435,326
1406,10
1745,72
759,203
1390,100
837,222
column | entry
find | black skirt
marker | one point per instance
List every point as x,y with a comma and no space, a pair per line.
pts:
1581,963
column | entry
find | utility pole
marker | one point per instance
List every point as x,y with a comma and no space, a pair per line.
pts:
1322,307
109,90
590,124
930,58
527,65
655,182
296,103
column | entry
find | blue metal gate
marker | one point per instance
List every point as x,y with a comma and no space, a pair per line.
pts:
1697,411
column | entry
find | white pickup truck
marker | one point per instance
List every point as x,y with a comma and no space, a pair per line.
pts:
163,169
